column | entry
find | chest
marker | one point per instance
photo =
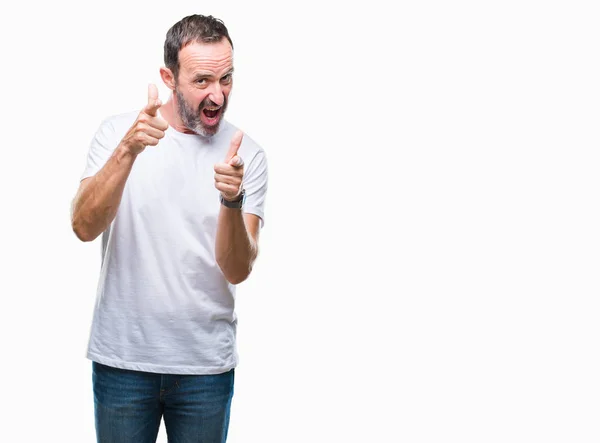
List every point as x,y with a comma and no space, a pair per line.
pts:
174,183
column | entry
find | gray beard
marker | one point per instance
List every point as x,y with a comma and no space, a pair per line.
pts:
192,120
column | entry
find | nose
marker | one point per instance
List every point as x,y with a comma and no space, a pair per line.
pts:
216,94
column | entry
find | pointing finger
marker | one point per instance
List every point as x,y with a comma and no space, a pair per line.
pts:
236,141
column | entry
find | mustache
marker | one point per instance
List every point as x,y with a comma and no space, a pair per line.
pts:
209,103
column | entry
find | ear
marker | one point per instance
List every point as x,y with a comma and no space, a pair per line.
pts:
167,78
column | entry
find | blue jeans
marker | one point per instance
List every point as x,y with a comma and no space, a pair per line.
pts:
129,405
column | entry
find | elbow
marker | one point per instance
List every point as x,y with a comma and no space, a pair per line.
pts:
82,235
235,278
239,278
77,224
79,229
236,271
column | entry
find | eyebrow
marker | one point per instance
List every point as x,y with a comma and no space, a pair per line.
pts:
201,75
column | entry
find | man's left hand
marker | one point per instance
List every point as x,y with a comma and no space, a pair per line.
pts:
229,175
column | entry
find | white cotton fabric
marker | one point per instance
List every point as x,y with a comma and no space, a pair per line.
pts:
163,304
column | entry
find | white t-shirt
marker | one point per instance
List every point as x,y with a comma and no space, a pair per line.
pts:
163,304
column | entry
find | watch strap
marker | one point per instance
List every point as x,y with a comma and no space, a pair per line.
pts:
238,203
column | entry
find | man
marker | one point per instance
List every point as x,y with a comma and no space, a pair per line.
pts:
179,212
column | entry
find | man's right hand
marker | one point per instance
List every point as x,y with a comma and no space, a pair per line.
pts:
148,128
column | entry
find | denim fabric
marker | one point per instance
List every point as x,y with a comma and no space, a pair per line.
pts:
129,405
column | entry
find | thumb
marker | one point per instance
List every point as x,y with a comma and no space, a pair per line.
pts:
236,161
236,141
153,101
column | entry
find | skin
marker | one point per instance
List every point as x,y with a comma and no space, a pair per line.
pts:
204,81
205,76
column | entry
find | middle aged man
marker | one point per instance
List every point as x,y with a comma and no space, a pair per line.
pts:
179,212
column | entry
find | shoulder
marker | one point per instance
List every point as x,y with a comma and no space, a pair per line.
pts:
120,123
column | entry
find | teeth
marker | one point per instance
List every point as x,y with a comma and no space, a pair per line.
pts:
215,109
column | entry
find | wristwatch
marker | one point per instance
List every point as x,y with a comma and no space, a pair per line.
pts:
238,203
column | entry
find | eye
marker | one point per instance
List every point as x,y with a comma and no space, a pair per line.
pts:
226,78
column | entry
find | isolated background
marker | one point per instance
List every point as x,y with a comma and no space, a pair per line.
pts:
429,262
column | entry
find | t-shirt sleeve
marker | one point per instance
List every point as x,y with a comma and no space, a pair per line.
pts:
101,148
255,185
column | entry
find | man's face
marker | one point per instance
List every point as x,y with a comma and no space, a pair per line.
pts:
203,85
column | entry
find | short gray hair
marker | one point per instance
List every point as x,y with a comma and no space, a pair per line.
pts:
193,28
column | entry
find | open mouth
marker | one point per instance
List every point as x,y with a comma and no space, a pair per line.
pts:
211,116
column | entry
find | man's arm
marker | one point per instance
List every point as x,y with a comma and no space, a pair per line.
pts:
237,243
236,246
98,198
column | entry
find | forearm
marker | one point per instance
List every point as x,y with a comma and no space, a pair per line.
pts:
95,207
235,248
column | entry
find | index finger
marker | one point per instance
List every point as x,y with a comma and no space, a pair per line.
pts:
236,141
